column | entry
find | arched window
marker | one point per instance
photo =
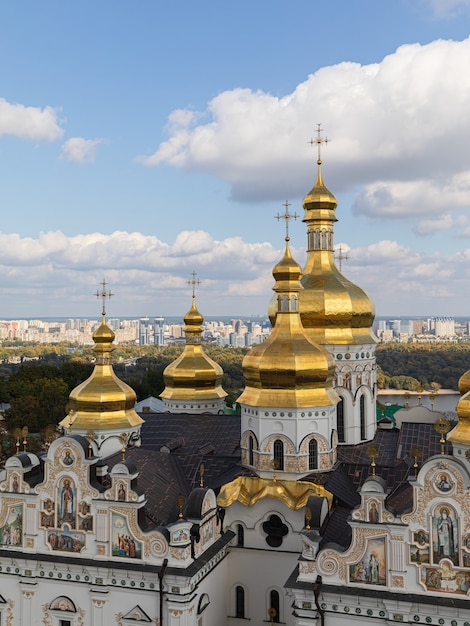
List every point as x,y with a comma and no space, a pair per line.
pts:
274,604
250,450
239,601
240,535
362,409
313,454
278,454
340,421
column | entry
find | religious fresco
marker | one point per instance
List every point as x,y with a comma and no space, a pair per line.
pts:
66,541
66,503
419,554
443,483
180,536
11,533
123,543
86,523
445,540
445,578
68,459
371,569
421,537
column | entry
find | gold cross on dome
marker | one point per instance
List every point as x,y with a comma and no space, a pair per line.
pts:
341,257
319,141
286,216
103,294
193,281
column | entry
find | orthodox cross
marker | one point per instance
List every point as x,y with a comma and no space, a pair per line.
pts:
319,141
286,216
103,294
341,257
192,281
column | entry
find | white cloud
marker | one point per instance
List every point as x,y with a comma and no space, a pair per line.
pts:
449,8
149,276
80,150
403,119
443,222
29,122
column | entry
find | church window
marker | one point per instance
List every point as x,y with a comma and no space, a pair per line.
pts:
278,454
293,303
317,239
240,535
340,421
250,451
65,622
274,604
239,601
323,239
276,530
313,454
362,410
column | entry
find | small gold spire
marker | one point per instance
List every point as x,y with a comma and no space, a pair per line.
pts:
180,502
372,453
24,434
123,442
17,434
416,453
308,517
272,614
341,257
319,141
48,434
193,281
406,395
286,216
103,294
71,413
201,475
442,426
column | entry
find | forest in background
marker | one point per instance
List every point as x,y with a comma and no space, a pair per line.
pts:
38,390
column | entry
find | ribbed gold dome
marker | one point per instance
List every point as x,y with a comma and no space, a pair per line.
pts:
333,310
103,401
461,433
464,383
288,370
193,375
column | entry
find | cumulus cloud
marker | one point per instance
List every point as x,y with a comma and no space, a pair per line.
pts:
80,150
400,131
443,222
29,122
149,276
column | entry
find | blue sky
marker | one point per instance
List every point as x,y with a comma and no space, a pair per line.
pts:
142,141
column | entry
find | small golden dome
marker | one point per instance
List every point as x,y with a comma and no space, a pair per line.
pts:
193,375
461,433
103,401
287,369
464,383
332,308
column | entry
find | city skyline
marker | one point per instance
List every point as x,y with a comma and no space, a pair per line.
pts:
142,143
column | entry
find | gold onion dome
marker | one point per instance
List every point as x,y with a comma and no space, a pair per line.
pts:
288,369
193,375
103,401
333,310
461,432
464,383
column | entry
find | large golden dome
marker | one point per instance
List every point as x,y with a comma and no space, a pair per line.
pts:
288,369
103,401
193,375
333,310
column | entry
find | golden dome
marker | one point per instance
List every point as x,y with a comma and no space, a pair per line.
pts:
333,310
461,433
288,370
193,375
464,383
103,401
